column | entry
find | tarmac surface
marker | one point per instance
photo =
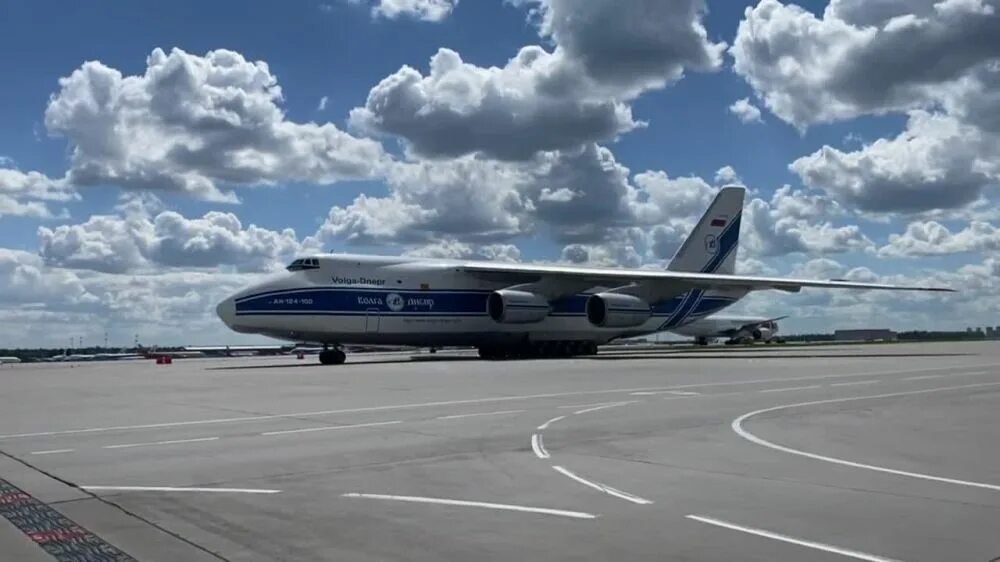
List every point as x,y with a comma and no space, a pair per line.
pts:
875,452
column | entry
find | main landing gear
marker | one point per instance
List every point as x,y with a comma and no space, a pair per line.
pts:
536,350
332,356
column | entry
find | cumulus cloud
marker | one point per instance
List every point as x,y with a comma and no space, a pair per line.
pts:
198,125
606,53
426,10
935,60
936,163
509,113
862,57
727,175
29,194
798,222
745,111
930,238
137,240
629,47
453,249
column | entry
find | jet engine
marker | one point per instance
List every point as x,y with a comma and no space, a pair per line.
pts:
617,310
510,306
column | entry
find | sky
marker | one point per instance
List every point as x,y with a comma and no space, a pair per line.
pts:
155,158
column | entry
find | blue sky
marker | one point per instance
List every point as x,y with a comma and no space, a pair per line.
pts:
601,146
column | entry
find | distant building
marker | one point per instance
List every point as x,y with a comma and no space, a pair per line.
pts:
871,334
991,332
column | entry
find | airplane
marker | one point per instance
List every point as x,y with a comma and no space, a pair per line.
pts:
506,310
9,359
737,329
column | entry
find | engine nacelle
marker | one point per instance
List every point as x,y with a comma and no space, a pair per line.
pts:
617,310
510,306
762,334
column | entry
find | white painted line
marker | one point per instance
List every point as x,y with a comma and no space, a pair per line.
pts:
460,416
602,487
856,554
244,419
546,425
466,503
655,392
51,452
577,406
921,377
790,388
605,407
330,428
156,443
854,383
172,489
737,426
973,374
538,446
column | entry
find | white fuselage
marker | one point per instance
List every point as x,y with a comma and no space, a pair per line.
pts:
729,327
411,301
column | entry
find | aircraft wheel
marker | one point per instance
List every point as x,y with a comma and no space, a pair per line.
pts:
591,348
332,357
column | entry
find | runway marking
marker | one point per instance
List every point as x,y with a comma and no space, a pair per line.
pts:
856,554
52,452
602,487
538,446
173,489
655,392
854,383
921,377
156,443
572,406
791,388
604,407
473,401
550,422
500,413
330,428
466,503
737,426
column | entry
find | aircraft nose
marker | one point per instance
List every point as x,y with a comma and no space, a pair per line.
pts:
227,311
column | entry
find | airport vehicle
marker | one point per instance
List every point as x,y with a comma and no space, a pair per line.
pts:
506,310
736,329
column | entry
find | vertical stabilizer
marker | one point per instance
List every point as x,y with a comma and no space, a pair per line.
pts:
711,247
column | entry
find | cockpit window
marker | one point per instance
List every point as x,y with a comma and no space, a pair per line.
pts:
303,263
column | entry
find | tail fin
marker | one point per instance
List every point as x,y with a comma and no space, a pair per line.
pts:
711,247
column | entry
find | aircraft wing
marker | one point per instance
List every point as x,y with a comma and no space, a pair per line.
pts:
753,325
680,280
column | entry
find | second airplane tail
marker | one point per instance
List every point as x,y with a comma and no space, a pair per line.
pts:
712,245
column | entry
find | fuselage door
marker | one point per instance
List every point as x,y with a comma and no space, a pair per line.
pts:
371,321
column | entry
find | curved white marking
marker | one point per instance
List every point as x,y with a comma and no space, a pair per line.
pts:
538,447
854,383
172,489
330,428
460,416
475,401
52,452
792,540
603,487
466,503
921,377
155,443
605,407
550,422
737,426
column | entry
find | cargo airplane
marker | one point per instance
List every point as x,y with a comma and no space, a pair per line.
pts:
506,310
736,329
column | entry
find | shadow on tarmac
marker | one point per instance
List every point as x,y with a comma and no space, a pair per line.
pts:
603,357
